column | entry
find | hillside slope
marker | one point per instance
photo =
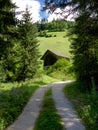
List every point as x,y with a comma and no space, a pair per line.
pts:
60,43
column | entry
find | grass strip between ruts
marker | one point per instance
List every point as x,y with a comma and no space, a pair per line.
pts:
48,118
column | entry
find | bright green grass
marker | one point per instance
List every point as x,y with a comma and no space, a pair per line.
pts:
86,104
14,96
48,118
58,43
49,79
46,78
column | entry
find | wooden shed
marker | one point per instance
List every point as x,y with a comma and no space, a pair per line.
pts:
50,57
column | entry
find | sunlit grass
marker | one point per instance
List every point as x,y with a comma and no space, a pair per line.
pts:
13,98
60,43
86,104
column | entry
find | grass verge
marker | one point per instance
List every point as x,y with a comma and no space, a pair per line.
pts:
13,98
48,118
86,104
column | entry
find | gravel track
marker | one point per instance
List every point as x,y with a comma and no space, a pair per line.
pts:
27,119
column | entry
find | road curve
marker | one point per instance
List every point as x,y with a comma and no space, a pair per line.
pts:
30,113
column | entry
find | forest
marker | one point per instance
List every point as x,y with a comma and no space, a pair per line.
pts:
21,71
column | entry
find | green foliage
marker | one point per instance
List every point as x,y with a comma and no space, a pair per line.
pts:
19,47
84,51
86,103
58,25
7,35
2,124
43,77
85,44
62,69
44,34
29,47
11,66
48,118
55,25
55,35
13,98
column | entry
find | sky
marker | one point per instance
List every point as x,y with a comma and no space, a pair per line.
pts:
35,7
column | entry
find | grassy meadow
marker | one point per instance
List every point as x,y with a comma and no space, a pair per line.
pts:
58,42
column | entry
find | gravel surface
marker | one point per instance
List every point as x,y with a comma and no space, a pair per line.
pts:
65,109
30,113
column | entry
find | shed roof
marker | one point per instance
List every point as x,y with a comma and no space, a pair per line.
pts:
57,54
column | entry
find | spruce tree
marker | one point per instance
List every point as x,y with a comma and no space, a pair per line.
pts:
7,26
84,50
7,21
85,43
29,46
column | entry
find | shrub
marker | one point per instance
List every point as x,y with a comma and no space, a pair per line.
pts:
48,35
62,68
42,33
55,35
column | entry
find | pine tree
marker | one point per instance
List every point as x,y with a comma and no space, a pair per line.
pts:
29,46
7,25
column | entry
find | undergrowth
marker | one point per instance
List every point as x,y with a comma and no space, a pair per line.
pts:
13,98
86,104
62,70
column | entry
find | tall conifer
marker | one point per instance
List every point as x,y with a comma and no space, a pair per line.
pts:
7,25
85,43
29,45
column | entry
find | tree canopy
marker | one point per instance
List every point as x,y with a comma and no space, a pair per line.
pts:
18,44
7,31
29,44
84,45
